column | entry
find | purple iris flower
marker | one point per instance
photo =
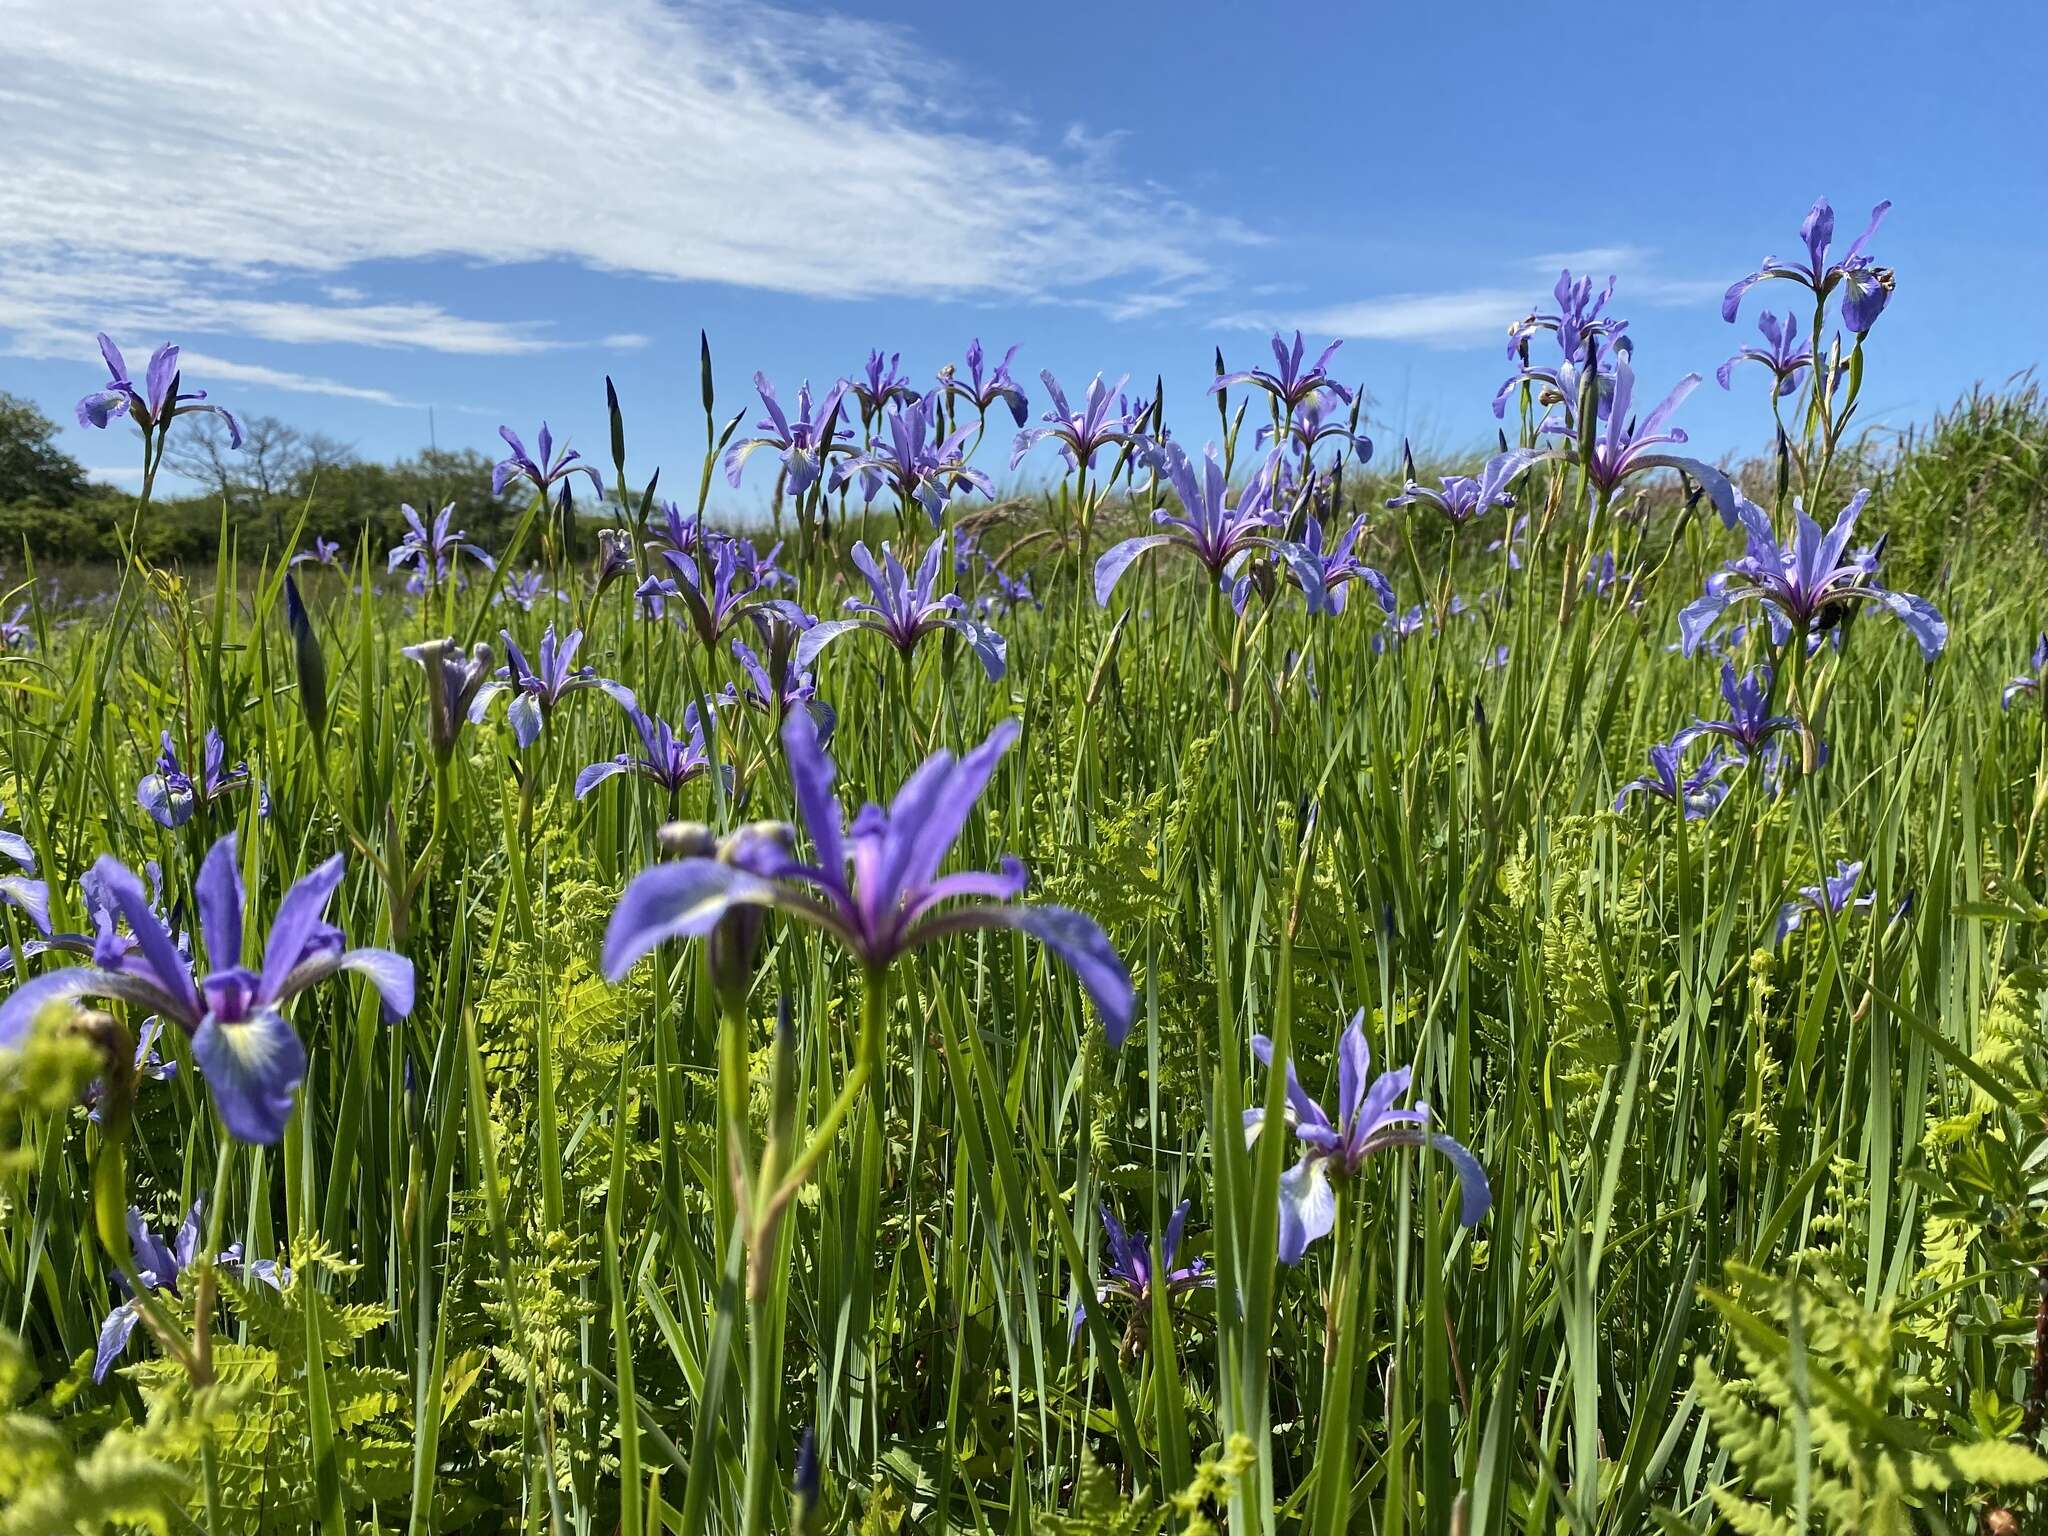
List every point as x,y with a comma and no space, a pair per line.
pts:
251,1058
1313,424
1622,447
324,552
1081,434
2016,687
1011,592
667,759
916,462
1127,1268
986,391
1466,498
537,689
1579,314
454,678
1367,1121
16,633
1213,531
614,557
1806,586
1866,287
1699,792
160,1266
1750,722
543,469
1337,567
877,887
678,536
169,794
905,608
1287,381
654,593
760,693
529,589
803,445
882,383
715,603
1401,626
431,548
29,896
1833,896
1782,352
152,406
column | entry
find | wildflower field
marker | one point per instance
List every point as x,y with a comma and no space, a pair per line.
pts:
1255,988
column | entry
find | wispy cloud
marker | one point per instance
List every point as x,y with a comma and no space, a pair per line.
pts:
1479,316
264,153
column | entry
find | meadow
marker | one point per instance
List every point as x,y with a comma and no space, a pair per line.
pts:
1257,990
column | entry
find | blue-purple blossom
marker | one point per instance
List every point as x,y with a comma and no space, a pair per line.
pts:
1623,447
16,633
432,548
1832,896
1579,314
1367,1121
1288,382
1211,528
170,795
1782,352
454,678
1700,792
543,469
1465,498
1866,287
876,886
26,895
985,390
152,406
614,557
1750,722
1081,434
738,580
251,1058
2031,683
654,593
538,686
1337,566
1807,586
903,609
160,1266
666,757
882,383
912,458
1127,1268
1313,424
525,591
802,444
324,552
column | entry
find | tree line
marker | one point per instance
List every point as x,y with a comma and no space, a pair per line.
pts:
53,511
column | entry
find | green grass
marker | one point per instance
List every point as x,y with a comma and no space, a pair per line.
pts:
518,1209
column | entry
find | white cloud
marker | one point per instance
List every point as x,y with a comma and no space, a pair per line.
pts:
198,178
201,366
1480,315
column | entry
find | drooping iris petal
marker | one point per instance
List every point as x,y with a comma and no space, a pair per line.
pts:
113,1339
1079,944
253,1067
684,899
1308,1207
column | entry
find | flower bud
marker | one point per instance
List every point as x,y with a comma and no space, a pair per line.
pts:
310,662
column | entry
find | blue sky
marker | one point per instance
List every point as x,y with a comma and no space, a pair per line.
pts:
351,213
